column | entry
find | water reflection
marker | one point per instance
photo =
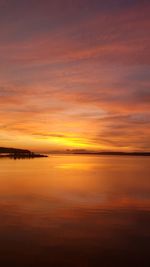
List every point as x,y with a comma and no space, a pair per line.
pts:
75,211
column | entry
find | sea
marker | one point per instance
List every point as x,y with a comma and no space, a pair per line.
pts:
75,211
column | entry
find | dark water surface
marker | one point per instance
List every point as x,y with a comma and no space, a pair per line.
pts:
75,211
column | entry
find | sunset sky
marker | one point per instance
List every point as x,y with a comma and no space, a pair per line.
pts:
75,74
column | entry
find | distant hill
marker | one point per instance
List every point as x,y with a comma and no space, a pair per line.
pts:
101,153
112,153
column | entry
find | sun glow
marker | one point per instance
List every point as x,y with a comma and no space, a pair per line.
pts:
71,142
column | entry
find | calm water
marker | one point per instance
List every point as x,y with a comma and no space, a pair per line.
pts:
75,211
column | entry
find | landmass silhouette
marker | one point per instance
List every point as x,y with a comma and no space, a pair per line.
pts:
19,153
103,153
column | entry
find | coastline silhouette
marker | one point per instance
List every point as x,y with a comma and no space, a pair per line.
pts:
16,153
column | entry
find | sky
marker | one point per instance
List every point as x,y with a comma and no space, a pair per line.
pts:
75,74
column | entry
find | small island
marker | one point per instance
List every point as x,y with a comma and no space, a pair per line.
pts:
15,153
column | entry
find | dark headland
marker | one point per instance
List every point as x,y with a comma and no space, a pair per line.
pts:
16,153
